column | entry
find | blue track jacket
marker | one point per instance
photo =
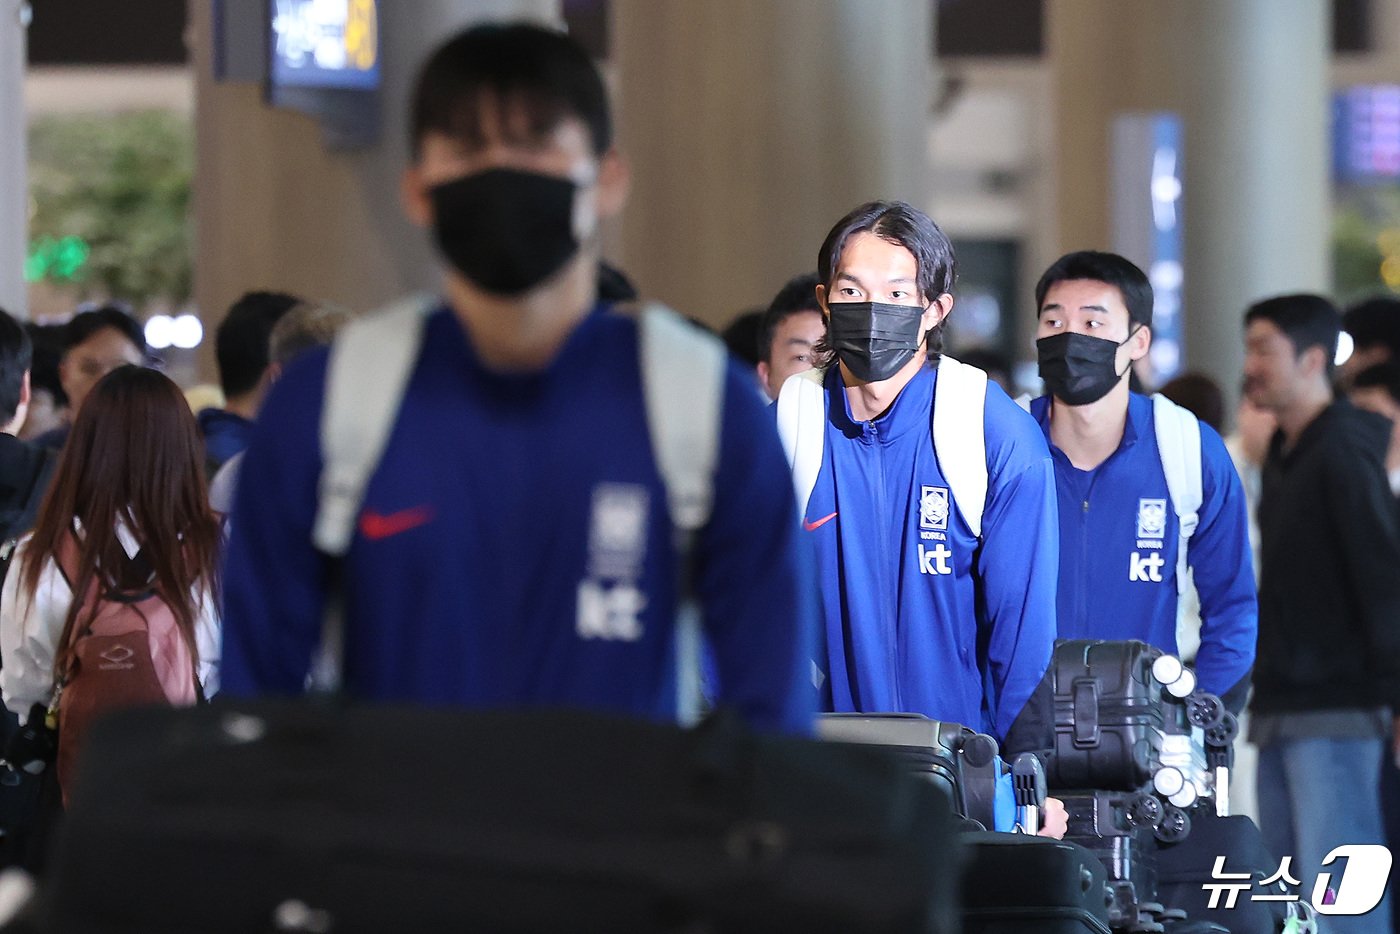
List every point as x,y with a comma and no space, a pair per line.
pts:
507,510
1118,547
918,617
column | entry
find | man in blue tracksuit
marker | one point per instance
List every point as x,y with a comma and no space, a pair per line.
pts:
922,614
513,545
1119,531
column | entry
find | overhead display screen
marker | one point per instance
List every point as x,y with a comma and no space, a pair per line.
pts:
325,44
1366,133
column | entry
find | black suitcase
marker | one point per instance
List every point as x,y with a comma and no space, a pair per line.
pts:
1184,869
962,762
1109,715
1119,829
296,816
1016,883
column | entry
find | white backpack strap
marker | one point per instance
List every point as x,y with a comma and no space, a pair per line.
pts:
1179,445
370,364
802,428
683,376
960,399
683,382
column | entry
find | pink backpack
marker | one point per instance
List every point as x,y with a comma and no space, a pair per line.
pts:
131,654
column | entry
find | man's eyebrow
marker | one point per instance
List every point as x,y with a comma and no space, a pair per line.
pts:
1056,306
801,341
849,278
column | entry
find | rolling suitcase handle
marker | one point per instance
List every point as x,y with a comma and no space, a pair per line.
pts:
1028,780
1220,759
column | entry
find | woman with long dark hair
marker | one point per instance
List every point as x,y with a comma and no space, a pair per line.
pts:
126,523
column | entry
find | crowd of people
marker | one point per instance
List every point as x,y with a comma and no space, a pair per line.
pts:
513,492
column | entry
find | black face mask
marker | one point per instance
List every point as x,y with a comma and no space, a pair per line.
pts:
505,230
873,339
1079,369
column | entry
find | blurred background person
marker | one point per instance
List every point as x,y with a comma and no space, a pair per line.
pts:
1377,389
127,513
1327,673
241,347
1200,395
94,344
303,327
787,333
48,405
1374,328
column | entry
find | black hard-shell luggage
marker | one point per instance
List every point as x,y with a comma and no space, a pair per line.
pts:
1109,715
1184,869
1118,828
962,762
1016,883
296,816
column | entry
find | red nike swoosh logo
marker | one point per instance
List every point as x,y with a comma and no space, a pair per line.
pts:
813,526
375,526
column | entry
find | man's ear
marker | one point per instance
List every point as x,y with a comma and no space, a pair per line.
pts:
25,393
414,195
1140,343
614,182
821,300
1314,361
938,312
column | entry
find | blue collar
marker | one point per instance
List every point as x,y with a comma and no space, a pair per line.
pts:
1139,420
909,410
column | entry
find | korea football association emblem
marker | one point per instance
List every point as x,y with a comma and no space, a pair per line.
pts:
933,508
1152,518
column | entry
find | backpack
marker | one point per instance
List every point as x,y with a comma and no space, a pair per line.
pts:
371,362
130,654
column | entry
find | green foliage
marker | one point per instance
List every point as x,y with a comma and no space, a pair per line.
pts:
118,185
1365,242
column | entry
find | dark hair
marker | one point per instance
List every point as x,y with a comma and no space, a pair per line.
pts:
741,336
241,342
538,73
1200,395
614,286
798,295
994,362
1373,322
134,454
1381,376
1306,320
48,350
16,355
87,323
1108,268
901,223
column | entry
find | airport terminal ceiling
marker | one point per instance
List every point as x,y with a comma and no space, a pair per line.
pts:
93,32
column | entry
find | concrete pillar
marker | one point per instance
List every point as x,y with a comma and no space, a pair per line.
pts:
1255,99
274,208
1249,79
752,126
14,185
1106,58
